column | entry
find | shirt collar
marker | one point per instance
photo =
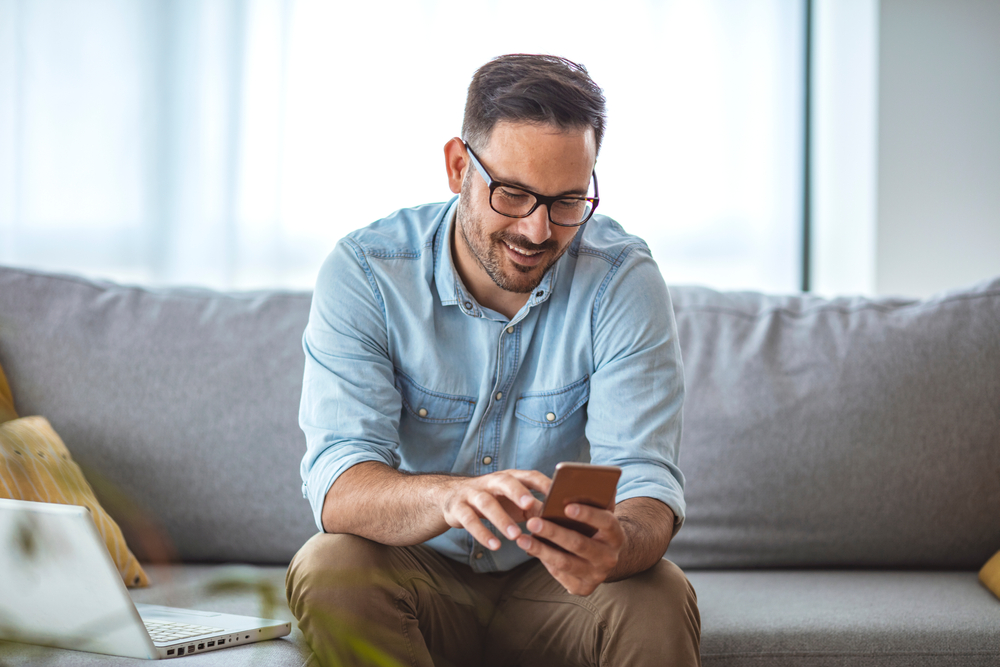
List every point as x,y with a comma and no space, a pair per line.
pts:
450,289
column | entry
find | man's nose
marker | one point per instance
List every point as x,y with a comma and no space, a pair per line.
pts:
536,227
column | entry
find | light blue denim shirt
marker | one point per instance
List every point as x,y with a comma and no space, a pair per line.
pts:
403,366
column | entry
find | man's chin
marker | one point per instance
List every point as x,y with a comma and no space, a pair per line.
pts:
518,278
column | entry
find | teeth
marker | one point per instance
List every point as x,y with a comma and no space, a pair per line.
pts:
521,252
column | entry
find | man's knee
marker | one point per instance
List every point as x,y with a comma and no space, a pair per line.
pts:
664,588
328,564
658,608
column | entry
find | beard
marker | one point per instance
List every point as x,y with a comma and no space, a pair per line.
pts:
488,250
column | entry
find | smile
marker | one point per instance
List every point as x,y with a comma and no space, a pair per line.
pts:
519,251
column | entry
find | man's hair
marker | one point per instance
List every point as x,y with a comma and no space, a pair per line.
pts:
529,88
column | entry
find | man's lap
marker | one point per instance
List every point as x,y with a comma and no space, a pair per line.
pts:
523,616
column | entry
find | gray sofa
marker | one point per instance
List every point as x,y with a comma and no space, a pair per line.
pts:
842,459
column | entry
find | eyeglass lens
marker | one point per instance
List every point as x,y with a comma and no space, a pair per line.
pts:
511,201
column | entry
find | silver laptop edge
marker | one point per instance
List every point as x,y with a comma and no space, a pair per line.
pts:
59,587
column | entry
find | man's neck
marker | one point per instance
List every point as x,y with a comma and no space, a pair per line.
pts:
479,283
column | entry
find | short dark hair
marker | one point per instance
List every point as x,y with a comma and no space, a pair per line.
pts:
528,88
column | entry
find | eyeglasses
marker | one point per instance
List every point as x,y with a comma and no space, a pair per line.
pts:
514,201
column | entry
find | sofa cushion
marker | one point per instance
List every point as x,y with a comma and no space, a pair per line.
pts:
845,432
36,466
185,400
834,619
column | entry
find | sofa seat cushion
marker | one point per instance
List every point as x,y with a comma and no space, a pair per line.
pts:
814,618
251,591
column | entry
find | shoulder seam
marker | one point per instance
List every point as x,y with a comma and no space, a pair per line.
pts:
616,263
359,252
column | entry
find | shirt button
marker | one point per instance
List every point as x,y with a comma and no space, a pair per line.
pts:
510,329
468,305
479,555
499,395
551,416
487,460
422,412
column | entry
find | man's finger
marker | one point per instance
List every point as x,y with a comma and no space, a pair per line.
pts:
533,480
561,565
570,540
511,488
600,519
469,520
490,507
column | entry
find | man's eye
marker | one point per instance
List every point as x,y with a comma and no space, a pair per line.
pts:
570,204
512,195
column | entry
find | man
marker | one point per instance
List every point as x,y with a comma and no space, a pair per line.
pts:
454,354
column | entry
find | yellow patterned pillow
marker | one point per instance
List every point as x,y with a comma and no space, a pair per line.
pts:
6,400
990,574
35,465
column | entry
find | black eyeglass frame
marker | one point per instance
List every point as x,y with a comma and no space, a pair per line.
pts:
539,199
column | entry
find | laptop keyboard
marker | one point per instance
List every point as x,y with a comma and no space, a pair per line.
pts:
166,631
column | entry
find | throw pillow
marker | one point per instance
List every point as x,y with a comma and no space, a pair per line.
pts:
35,465
990,574
6,400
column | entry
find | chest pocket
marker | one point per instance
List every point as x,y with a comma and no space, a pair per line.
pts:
551,426
432,426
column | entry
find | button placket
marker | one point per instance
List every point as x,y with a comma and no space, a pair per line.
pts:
506,345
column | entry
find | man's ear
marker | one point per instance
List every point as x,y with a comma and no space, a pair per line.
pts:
456,162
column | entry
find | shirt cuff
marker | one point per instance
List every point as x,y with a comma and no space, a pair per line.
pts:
327,469
653,480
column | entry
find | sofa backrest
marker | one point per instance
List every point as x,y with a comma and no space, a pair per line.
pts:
847,432
184,401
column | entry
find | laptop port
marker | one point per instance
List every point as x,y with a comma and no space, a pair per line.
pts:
191,648
170,652
221,642
210,644
201,646
180,651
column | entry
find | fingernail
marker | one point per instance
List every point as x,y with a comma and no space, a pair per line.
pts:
524,542
572,510
494,544
534,525
526,501
513,531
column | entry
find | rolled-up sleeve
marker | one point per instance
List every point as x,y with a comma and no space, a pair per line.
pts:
637,388
350,406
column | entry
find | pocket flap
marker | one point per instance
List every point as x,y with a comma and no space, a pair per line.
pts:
433,406
552,408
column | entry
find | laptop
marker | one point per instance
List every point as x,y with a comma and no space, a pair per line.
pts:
59,587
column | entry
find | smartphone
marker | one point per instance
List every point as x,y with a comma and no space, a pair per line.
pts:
580,483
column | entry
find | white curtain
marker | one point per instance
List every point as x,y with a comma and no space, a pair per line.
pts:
230,143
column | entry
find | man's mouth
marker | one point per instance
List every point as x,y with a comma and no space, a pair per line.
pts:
522,251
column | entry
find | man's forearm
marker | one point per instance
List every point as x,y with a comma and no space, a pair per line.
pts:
375,501
648,525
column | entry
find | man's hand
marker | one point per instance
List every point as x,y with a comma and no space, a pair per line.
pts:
503,498
630,539
587,561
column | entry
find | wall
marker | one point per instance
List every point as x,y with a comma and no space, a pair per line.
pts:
938,145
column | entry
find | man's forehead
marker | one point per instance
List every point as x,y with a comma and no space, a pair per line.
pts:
541,154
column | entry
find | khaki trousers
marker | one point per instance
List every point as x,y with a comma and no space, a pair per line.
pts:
355,598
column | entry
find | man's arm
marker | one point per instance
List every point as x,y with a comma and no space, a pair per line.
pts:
628,541
377,502
648,524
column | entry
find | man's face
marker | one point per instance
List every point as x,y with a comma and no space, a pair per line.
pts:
516,252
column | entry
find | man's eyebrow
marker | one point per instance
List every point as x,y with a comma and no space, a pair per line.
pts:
578,192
